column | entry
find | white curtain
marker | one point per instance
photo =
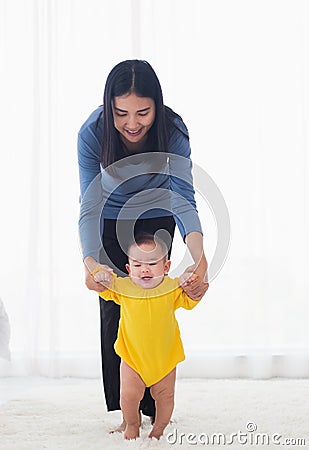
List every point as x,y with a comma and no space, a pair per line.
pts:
237,71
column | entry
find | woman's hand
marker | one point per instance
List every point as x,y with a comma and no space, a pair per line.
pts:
97,276
194,280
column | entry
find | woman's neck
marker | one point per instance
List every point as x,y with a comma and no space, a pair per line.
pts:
134,147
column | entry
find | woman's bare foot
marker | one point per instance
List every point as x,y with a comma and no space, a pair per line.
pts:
132,431
121,427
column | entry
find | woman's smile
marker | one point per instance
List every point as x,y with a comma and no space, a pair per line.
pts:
134,132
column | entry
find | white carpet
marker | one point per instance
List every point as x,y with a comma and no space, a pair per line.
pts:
72,415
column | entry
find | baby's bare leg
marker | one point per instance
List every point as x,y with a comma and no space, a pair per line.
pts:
132,389
163,394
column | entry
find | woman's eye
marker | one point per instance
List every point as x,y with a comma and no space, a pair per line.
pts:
120,115
143,114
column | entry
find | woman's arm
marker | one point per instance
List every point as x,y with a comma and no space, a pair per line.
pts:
181,181
194,243
194,279
91,197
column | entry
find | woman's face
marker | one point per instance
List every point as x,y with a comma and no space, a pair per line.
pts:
133,118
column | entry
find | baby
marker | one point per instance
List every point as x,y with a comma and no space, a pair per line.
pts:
148,342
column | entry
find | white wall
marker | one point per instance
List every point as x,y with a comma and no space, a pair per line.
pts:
237,72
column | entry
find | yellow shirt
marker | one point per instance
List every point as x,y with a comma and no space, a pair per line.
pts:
148,336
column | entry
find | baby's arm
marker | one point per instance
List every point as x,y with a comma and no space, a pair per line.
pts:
110,290
182,299
106,284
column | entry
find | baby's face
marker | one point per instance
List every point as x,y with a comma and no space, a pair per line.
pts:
147,265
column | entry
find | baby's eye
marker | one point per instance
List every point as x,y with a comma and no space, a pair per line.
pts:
152,264
136,265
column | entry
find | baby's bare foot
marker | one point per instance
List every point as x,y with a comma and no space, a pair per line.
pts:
156,432
131,431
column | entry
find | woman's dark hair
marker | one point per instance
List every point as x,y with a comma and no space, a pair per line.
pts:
138,77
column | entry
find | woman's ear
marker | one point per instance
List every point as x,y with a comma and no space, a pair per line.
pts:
167,266
128,268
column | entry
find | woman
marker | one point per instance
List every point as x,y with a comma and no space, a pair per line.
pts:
134,130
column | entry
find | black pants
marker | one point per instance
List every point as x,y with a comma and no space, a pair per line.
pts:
110,312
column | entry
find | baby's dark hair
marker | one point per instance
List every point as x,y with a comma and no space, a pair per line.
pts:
146,238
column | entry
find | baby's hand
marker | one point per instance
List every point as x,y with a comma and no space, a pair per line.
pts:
187,278
103,275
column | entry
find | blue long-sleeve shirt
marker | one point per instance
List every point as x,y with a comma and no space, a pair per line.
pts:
143,185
